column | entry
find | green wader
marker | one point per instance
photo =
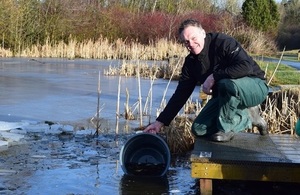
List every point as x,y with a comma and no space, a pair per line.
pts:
229,110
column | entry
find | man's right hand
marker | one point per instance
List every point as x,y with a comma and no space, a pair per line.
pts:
208,84
154,127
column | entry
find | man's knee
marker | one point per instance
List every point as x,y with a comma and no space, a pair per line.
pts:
199,129
226,86
202,129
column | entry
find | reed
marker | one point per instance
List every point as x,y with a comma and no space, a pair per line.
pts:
128,114
282,109
149,100
178,135
101,49
118,106
140,97
95,120
5,52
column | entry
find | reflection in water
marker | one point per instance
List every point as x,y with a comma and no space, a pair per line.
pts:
145,168
130,185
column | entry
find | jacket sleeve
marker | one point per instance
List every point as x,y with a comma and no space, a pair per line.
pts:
184,89
234,62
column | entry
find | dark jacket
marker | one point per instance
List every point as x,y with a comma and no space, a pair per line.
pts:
223,56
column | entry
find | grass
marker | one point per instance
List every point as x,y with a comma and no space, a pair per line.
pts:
291,55
284,75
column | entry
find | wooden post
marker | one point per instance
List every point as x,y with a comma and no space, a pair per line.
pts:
205,186
299,55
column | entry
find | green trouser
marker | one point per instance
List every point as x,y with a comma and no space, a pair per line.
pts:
229,110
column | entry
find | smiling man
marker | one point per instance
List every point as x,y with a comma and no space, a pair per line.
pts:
227,73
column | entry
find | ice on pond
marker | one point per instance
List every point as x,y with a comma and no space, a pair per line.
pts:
3,145
4,126
14,137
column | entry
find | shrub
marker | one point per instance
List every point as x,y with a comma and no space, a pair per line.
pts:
261,14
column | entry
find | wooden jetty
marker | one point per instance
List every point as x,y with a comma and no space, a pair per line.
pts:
248,156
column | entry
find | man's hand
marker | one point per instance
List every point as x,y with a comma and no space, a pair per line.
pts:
154,127
208,84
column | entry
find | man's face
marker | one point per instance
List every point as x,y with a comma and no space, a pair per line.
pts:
193,38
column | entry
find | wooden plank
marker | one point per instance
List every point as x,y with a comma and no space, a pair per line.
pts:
279,173
244,147
248,157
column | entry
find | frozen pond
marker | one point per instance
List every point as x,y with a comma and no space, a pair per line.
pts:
66,90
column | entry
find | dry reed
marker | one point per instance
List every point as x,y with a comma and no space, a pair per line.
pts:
178,135
5,52
170,70
282,109
101,49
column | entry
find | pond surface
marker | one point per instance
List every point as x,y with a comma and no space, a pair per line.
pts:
66,90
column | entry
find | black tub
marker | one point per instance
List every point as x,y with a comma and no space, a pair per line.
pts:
145,154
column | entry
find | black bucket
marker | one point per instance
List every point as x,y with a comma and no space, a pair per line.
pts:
145,154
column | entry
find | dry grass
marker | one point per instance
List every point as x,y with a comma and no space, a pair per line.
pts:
254,41
5,52
101,49
170,70
282,109
178,134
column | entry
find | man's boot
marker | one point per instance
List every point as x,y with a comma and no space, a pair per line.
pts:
258,121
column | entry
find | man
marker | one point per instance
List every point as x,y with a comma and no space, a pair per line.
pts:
226,72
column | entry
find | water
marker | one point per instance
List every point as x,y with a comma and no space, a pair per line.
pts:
63,165
294,64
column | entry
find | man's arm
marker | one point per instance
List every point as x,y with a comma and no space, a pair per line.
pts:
236,63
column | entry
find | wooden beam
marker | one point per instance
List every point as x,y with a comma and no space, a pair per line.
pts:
275,172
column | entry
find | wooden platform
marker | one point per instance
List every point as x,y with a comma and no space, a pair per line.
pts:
247,157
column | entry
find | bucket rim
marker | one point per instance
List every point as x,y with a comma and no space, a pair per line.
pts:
168,159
